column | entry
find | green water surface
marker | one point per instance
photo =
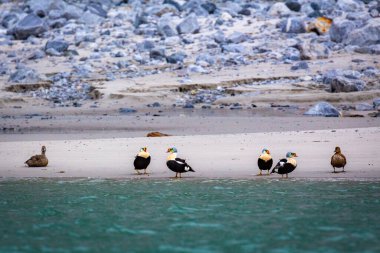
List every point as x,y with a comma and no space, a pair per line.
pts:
51,215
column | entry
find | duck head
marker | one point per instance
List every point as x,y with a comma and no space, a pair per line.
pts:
144,149
337,150
265,151
43,150
291,155
172,150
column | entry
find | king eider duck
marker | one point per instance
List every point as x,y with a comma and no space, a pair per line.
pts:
175,164
142,160
38,160
265,161
338,160
286,165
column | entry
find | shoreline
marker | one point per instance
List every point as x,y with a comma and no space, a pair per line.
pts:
211,156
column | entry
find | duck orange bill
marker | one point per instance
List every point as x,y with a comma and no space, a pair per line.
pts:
295,155
168,150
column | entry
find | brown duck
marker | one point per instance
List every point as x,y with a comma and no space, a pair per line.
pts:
338,160
38,160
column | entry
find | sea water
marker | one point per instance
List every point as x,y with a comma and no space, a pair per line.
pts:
197,215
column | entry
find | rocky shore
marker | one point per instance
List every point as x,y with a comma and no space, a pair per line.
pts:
321,57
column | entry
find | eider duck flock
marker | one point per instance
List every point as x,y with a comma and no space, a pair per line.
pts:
179,166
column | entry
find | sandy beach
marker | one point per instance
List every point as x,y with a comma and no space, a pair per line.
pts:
211,156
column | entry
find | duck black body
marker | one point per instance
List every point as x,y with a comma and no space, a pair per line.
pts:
265,161
142,160
286,165
177,165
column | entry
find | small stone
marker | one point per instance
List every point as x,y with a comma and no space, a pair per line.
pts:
28,26
59,46
376,103
157,54
300,65
188,106
127,110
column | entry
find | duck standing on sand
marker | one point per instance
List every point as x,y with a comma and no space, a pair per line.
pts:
265,161
175,164
338,160
142,160
38,160
286,165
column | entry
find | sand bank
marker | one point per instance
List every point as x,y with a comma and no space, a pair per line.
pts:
212,156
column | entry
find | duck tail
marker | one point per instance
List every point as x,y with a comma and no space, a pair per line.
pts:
190,169
274,170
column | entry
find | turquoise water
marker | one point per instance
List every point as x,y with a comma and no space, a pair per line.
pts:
47,215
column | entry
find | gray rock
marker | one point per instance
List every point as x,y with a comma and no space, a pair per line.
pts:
29,25
72,12
209,7
176,57
291,54
157,54
24,75
53,47
363,107
340,29
350,5
313,51
189,25
293,5
127,110
365,36
206,58
174,3
376,103
188,106
300,65
245,12
293,25
344,84
38,54
146,45
279,9
166,28
90,18
373,49
323,109
97,9
219,37
9,20
234,48
237,37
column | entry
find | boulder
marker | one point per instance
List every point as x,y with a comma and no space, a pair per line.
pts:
293,25
323,109
344,84
350,5
237,37
176,57
24,75
189,25
96,8
9,20
313,51
157,54
279,9
56,47
365,36
363,107
28,26
300,65
293,5
165,27
209,7
340,29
